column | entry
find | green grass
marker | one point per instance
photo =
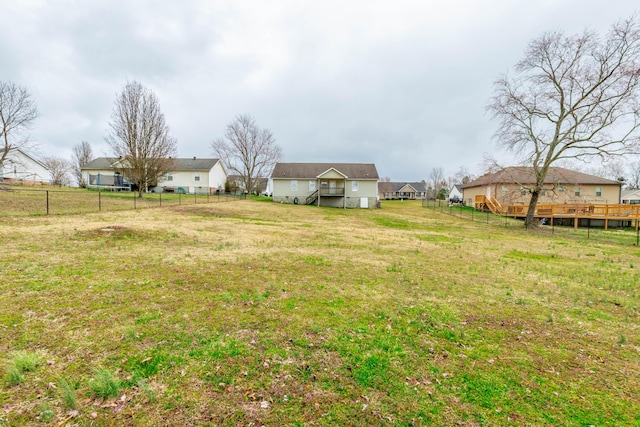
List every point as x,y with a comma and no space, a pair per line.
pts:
269,314
104,384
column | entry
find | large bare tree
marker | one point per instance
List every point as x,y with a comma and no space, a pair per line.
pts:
139,137
247,151
17,112
571,97
82,155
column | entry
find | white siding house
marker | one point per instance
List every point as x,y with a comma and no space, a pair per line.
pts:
195,175
19,167
630,197
345,185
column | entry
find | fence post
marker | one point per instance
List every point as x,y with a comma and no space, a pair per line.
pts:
99,200
179,198
47,202
134,200
195,197
160,199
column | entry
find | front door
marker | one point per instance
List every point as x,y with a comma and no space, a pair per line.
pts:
332,187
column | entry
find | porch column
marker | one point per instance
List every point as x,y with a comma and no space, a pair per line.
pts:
344,197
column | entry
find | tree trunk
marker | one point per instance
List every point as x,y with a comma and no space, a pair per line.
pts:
529,220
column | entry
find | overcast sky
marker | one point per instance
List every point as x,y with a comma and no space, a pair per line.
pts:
402,84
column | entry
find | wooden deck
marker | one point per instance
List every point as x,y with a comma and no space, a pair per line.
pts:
576,211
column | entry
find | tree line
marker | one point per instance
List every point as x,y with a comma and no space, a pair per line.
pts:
140,141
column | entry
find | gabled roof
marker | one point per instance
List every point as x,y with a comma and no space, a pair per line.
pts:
194,164
394,187
27,155
524,175
629,194
181,164
353,171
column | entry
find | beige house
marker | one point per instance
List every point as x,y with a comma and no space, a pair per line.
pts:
344,185
401,190
509,186
189,175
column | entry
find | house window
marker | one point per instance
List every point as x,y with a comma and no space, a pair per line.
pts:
504,190
523,191
196,177
576,191
294,185
561,189
169,177
354,185
312,185
598,191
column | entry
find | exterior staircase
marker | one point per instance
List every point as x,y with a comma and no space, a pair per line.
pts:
311,198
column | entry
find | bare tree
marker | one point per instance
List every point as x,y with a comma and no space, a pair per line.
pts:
633,182
17,112
247,150
82,155
385,186
139,137
572,97
58,169
438,181
463,175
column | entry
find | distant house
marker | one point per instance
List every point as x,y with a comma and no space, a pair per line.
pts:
237,184
509,187
630,197
20,167
345,185
388,190
455,194
190,175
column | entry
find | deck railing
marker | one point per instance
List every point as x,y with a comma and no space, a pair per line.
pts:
563,210
329,192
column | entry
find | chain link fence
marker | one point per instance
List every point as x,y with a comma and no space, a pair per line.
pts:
19,201
620,236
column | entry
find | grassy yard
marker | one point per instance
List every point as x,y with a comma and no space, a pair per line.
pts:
254,313
20,201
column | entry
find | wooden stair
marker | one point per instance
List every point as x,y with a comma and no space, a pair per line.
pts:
311,198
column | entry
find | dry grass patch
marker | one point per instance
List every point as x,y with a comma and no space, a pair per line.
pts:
288,315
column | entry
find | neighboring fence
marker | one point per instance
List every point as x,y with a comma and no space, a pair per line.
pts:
18,201
622,236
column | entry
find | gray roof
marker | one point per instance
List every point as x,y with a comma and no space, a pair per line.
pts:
630,194
394,187
181,164
361,171
525,175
